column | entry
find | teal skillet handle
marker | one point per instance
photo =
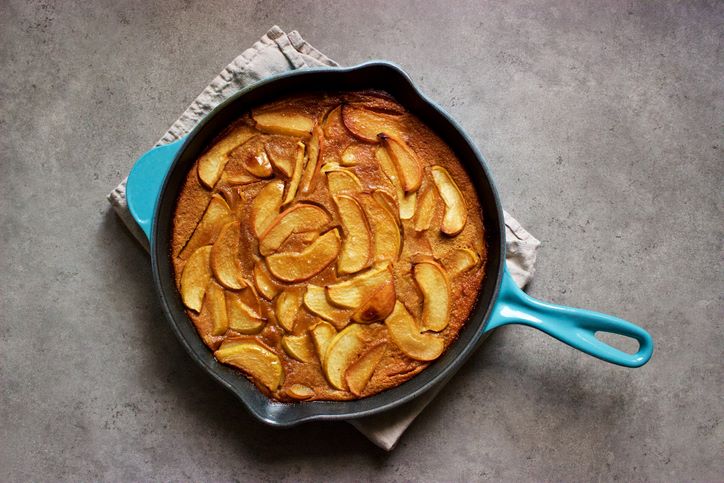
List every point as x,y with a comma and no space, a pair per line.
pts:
145,181
575,327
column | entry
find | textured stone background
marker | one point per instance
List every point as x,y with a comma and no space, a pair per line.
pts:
603,124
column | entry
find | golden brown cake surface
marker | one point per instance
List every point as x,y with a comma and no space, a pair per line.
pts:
328,246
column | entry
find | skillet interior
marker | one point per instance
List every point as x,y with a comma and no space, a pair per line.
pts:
374,75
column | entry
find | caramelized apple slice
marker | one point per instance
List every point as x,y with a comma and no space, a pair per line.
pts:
280,159
217,215
224,258
315,299
360,372
366,125
435,288
300,218
322,335
283,122
385,231
462,260
295,267
333,125
352,293
409,167
425,210
342,351
456,212
195,278
242,318
341,180
406,201
287,307
355,253
238,179
253,358
266,205
378,306
298,347
264,284
312,163
353,155
216,304
296,174
259,164
404,333
300,391
388,202
212,163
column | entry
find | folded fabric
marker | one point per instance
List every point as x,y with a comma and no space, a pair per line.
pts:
278,52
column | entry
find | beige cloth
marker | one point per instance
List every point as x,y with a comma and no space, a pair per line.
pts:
278,52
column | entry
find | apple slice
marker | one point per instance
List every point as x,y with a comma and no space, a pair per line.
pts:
266,205
360,372
404,333
434,284
298,347
238,179
357,243
217,215
406,201
281,155
287,306
283,122
462,260
425,210
315,299
259,164
353,155
254,359
322,335
456,212
296,174
333,126
242,317
352,293
300,218
212,163
366,124
300,391
264,284
215,301
378,306
195,278
224,257
409,167
389,203
341,352
341,180
386,232
312,162
295,267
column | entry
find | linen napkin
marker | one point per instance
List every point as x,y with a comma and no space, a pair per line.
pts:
278,52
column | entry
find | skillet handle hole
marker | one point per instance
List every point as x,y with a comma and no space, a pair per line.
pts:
623,343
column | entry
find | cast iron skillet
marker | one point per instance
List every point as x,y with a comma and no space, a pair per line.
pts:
157,177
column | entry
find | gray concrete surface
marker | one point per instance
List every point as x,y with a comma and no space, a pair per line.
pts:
603,124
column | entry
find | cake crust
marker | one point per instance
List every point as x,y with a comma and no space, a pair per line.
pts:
328,246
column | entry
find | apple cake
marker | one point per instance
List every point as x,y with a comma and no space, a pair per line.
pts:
329,246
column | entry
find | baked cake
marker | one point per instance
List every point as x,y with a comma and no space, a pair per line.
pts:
330,246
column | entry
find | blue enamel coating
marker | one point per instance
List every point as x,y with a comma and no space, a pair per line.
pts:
145,182
575,327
